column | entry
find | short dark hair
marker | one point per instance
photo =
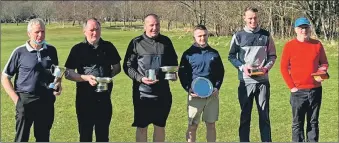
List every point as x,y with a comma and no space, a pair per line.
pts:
153,15
249,8
200,27
93,18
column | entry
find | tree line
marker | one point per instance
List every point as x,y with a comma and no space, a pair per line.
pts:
221,17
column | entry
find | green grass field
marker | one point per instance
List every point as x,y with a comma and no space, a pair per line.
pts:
65,124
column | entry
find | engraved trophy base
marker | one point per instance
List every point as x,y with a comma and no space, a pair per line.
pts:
320,75
257,72
101,87
171,76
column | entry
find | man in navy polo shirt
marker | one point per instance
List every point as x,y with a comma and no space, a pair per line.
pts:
30,64
201,60
93,58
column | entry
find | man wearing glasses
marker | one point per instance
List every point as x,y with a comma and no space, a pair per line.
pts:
301,57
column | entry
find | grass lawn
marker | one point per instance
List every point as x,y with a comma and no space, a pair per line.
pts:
65,123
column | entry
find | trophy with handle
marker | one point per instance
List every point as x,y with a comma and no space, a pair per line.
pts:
102,83
171,72
57,72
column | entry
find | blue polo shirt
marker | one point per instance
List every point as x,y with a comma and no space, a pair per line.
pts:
31,68
201,62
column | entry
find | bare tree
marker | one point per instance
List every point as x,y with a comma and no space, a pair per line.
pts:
225,17
198,9
322,15
111,11
17,11
45,10
5,13
64,11
171,14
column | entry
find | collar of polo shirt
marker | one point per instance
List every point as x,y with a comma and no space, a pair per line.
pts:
30,49
95,45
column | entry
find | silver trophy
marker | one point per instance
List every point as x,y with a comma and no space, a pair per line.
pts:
171,72
102,83
57,72
151,74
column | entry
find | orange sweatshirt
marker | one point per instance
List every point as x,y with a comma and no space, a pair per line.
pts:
299,60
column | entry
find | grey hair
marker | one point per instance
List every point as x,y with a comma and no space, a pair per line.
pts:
94,19
152,15
35,21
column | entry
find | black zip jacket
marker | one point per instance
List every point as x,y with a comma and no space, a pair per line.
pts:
145,53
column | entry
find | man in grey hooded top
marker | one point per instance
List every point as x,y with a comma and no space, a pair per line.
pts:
252,49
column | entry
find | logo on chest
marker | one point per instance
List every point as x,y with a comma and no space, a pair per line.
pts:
47,58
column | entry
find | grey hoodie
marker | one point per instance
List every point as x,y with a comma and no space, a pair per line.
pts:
254,48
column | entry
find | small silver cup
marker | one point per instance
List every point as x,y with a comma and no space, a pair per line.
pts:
151,74
58,72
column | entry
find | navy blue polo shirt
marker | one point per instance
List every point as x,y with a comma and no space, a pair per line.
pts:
201,62
31,68
89,60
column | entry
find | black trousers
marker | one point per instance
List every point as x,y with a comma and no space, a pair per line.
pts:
94,111
306,102
40,112
261,93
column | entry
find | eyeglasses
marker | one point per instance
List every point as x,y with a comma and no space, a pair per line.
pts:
304,27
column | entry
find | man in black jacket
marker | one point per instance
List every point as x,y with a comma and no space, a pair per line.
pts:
152,99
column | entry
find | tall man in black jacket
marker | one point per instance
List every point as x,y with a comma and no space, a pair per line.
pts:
152,99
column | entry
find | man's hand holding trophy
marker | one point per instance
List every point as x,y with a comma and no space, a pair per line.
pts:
254,70
58,72
99,82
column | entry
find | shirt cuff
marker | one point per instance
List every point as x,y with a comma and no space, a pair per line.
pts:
8,76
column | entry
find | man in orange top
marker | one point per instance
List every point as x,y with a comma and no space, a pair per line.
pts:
301,57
